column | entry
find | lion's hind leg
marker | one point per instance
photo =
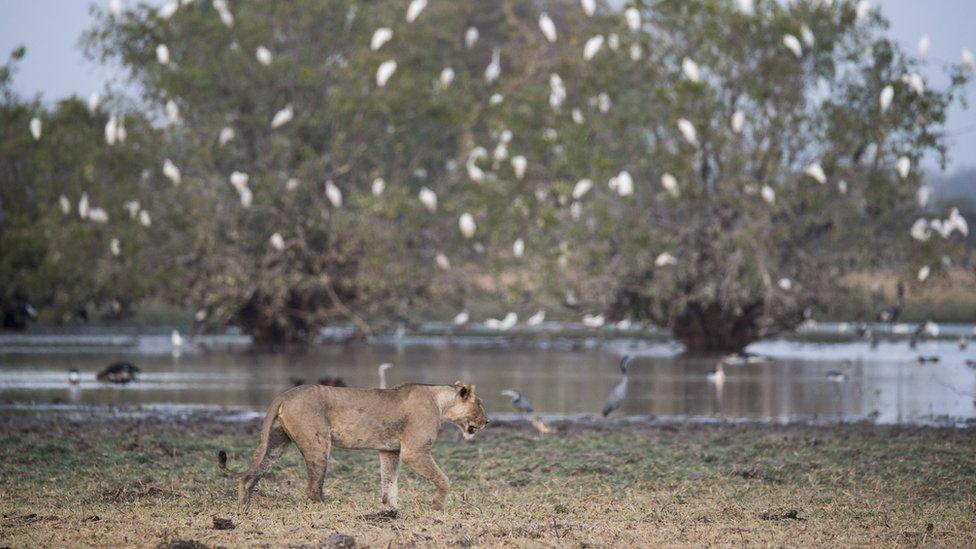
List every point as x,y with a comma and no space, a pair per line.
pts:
315,444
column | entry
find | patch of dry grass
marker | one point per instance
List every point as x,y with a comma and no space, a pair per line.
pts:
132,483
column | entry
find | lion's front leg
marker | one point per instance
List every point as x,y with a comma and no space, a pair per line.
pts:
389,474
422,463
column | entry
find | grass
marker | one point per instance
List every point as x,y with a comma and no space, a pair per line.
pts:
150,484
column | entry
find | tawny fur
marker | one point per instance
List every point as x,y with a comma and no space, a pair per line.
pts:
401,423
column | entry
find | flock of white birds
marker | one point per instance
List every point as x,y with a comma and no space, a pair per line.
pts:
622,183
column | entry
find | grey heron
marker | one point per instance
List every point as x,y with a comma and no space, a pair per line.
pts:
519,401
619,391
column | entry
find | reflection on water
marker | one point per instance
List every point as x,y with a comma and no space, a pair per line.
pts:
885,384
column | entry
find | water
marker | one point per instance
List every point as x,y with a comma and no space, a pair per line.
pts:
562,378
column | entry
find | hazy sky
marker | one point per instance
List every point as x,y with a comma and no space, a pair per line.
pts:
55,66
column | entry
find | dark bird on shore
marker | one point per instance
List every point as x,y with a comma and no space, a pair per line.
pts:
890,315
119,372
619,392
519,401
923,359
74,376
332,381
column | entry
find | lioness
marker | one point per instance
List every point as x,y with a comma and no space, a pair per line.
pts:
402,423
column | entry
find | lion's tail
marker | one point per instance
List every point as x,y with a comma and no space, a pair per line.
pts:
261,449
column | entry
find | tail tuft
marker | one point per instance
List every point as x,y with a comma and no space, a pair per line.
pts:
222,459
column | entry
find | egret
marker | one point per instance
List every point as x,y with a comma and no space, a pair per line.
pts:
494,68
923,273
175,339
904,167
923,45
333,193
239,180
577,116
807,35
633,17
636,52
65,204
716,376
557,91
920,230
768,194
519,164
461,318
277,242
74,376
738,121
915,82
547,27
842,186
172,112
414,10
835,376
378,186
428,198
958,222
670,184
226,17
613,41
172,172
793,44
385,71
35,128
538,318
381,36
470,37
593,321
442,262
381,370
582,187
97,215
93,101
144,218
518,248
475,172
619,391
114,246
624,324
687,130
263,55
227,134
111,130
467,225
815,171
519,401
589,7
282,117
862,10
664,259
83,206
446,77
746,6
690,70
592,47
623,183
509,322
887,95
115,8
168,9
968,61
162,54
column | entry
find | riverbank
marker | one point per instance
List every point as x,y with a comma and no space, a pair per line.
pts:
148,482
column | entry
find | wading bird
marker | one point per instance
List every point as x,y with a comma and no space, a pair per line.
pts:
74,376
519,401
717,376
119,372
619,392
382,373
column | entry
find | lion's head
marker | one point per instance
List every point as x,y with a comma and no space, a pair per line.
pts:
467,410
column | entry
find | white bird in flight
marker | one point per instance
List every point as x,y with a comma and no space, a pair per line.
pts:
172,172
547,27
415,9
467,225
263,55
385,71
381,36
282,117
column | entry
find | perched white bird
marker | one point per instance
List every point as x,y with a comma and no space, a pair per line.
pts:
474,172
131,206
428,198
227,134
333,193
785,284
807,35
162,54
920,230
381,36
923,45
547,27
915,82
385,71
378,186
815,171
687,129
494,68
35,128
592,47
175,339
447,77
382,373
467,225
94,100
746,6
665,259
172,113
589,7
282,117
115,8
470,37
670,184
97,215
792,43
114,246
65,204
968,61
519,164
922,195
226,17
239,180
557,91
690,69
577,116
461,318
958,222
582,187
862,10
111,130
738,121
768,194
636,52
172,172
904,167
277,241
144,218
538,318
263,55
509,322
623,183
886,97
716,376
930,329
633,17
613,41
842,186
593,321
292,183
923,273
442,262
168,9
414,10
83,206
518,248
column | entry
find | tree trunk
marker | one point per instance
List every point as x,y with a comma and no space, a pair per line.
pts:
711,329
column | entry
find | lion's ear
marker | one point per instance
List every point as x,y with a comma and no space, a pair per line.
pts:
463,389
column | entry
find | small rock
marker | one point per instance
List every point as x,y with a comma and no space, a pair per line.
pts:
339,541
181,544
223,524
791,514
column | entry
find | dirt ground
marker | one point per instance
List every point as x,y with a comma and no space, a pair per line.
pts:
155,484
